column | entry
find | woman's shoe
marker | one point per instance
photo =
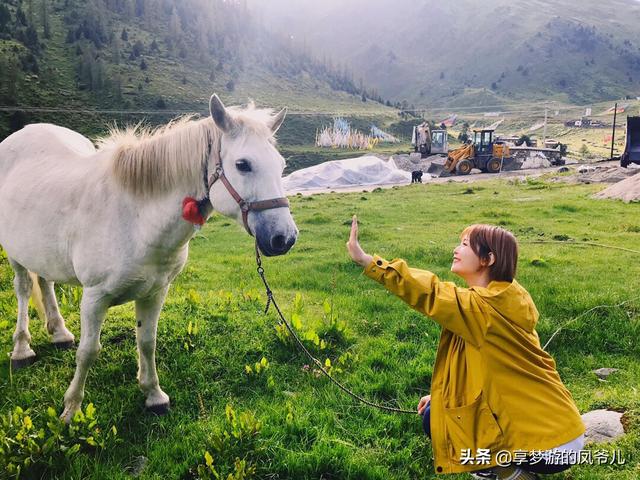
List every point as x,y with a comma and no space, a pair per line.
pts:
513,473
505,473
484,474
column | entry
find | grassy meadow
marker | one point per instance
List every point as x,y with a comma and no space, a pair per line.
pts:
280,416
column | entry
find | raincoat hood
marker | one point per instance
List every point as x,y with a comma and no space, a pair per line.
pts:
511,301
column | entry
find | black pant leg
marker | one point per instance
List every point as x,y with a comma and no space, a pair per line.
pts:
426,420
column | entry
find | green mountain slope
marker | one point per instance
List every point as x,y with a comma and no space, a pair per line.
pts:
429,52
135,59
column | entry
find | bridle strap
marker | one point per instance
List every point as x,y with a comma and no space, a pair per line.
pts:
268,204
245,207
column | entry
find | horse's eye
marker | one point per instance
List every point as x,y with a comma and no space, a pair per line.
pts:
243,165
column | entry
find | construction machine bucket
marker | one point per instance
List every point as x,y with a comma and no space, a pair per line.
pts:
436,168
511,163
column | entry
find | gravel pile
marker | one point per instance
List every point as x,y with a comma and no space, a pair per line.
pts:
627,190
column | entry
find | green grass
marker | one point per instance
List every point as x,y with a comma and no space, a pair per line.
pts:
310,428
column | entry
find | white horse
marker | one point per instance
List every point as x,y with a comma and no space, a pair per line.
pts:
112,219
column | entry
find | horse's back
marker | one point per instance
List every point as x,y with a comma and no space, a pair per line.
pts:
39,141
45,171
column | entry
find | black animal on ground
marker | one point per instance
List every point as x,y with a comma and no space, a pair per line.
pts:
416,176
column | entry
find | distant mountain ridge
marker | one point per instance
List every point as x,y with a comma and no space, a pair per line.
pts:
429,52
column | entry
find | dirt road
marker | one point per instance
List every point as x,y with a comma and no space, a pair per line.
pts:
471,178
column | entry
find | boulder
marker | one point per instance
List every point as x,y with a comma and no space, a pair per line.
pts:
603,373
602,426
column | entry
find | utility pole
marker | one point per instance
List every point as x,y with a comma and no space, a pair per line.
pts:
544,134
613,134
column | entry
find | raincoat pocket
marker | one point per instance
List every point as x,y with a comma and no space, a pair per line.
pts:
472,427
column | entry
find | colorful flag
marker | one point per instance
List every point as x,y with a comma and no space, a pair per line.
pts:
620,109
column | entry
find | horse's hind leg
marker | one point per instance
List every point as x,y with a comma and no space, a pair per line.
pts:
147,313
22,354
60,336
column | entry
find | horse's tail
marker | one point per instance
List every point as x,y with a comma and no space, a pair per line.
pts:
36,296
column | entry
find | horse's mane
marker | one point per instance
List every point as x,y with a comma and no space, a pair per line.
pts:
150,161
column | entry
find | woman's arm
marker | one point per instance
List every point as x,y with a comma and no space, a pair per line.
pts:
459,310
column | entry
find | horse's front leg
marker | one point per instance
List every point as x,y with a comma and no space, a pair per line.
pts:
93,310
147,313
22,354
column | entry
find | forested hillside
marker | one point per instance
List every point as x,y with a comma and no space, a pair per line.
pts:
126,56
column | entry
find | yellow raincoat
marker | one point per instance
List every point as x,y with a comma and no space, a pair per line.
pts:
493,387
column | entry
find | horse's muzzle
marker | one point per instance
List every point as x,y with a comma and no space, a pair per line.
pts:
277,244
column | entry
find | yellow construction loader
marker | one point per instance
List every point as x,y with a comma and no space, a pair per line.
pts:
481,153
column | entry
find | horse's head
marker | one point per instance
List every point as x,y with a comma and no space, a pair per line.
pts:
252,167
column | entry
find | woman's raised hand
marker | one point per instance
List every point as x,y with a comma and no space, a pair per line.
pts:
353,246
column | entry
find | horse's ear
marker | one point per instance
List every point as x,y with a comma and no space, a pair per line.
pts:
277,120
219,114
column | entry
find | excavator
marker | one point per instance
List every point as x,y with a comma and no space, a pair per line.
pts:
429,141
481,152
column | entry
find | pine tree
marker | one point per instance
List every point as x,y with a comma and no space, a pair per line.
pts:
31,40
141,8
46,26
129,9
138,49
97,83
86,68
21,18
5,18
116,87
30,14
9,76
115,51
175,26
124,36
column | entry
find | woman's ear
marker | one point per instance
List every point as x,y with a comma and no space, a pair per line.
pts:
491,260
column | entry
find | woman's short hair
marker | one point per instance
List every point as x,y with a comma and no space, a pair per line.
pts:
502,243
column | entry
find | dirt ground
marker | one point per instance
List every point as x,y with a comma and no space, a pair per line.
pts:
599,172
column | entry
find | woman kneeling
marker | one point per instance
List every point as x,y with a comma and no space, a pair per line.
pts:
497,406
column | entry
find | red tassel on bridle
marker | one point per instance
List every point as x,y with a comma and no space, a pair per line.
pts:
191,211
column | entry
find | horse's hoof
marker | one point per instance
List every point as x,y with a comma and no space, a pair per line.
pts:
64,345
160,409
22,362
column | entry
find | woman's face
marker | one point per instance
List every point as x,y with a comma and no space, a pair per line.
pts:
465,261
